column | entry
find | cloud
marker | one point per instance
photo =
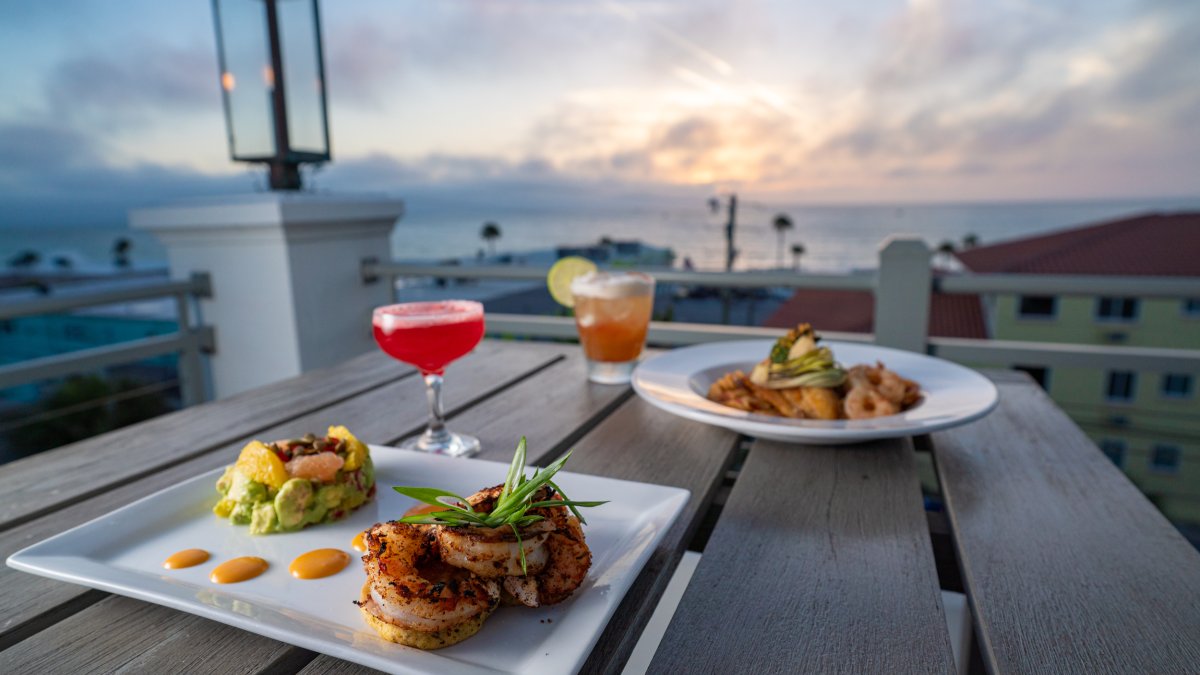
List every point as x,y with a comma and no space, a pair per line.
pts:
139,82
53,176
369,49
33,148
1094,102
590,103
929,39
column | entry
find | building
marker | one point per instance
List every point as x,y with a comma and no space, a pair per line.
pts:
1148,423
957,316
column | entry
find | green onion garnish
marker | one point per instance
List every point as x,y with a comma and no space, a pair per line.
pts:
512,505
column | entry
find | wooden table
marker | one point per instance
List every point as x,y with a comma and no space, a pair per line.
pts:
820,559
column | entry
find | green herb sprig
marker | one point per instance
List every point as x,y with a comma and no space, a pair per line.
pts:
512,505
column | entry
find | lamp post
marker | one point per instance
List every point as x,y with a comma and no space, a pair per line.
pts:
273,84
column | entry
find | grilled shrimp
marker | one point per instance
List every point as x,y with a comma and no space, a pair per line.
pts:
410,588
896,389
494,552
865,402
566,569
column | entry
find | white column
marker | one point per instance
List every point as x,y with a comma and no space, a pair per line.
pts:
902,292
288,294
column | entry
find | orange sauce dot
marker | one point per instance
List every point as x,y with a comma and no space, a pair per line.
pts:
238,569
421,509
186,558
358,544
322,562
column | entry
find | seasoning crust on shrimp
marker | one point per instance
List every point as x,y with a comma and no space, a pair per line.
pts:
433,578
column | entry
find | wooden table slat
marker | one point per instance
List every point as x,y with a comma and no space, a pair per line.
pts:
1068,567
94,465
150,639
642,443
382,413
820,562
551,410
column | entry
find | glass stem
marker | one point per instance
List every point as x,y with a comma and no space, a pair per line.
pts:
436,430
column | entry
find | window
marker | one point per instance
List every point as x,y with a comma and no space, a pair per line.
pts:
1114,449
1176,385
1037,307
1040,374
1116,309
1191,308
1120,385
1165,458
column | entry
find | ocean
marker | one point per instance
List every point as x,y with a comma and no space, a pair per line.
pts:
836,238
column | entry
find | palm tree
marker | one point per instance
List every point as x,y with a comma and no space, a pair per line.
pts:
797,251
120,252
25,260
970,240
490,233
782,224
945,251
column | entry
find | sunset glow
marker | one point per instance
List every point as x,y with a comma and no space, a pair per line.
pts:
871,100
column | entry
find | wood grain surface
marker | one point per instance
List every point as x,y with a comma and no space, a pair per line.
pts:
552,410
642,443
820,562
151,639
1068,567
94,465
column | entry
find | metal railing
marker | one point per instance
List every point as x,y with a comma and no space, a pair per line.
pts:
191,341
901,286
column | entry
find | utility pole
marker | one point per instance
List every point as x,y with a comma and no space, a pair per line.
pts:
730,251
730,255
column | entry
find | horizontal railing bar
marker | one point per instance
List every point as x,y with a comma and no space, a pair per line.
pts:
1006,352
49,367
1012,352
666,333
56,413
861,282
199,284
1072,284
1054,284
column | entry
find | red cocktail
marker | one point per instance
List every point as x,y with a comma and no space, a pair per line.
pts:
430,336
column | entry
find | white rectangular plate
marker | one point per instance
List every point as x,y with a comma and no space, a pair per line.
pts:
123,551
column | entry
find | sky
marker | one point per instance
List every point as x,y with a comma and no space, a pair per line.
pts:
113,104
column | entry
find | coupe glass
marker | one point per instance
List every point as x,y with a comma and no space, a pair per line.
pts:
431,336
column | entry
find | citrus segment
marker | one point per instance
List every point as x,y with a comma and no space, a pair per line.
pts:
356,451
566,270
258,463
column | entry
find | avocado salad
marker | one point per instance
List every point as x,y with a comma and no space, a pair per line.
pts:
290,484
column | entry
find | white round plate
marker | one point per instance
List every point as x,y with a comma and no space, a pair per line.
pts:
677,381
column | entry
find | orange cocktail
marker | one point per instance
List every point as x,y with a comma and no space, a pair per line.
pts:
612,313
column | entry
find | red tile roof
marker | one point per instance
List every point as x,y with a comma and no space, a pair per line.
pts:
1153,245
853,311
